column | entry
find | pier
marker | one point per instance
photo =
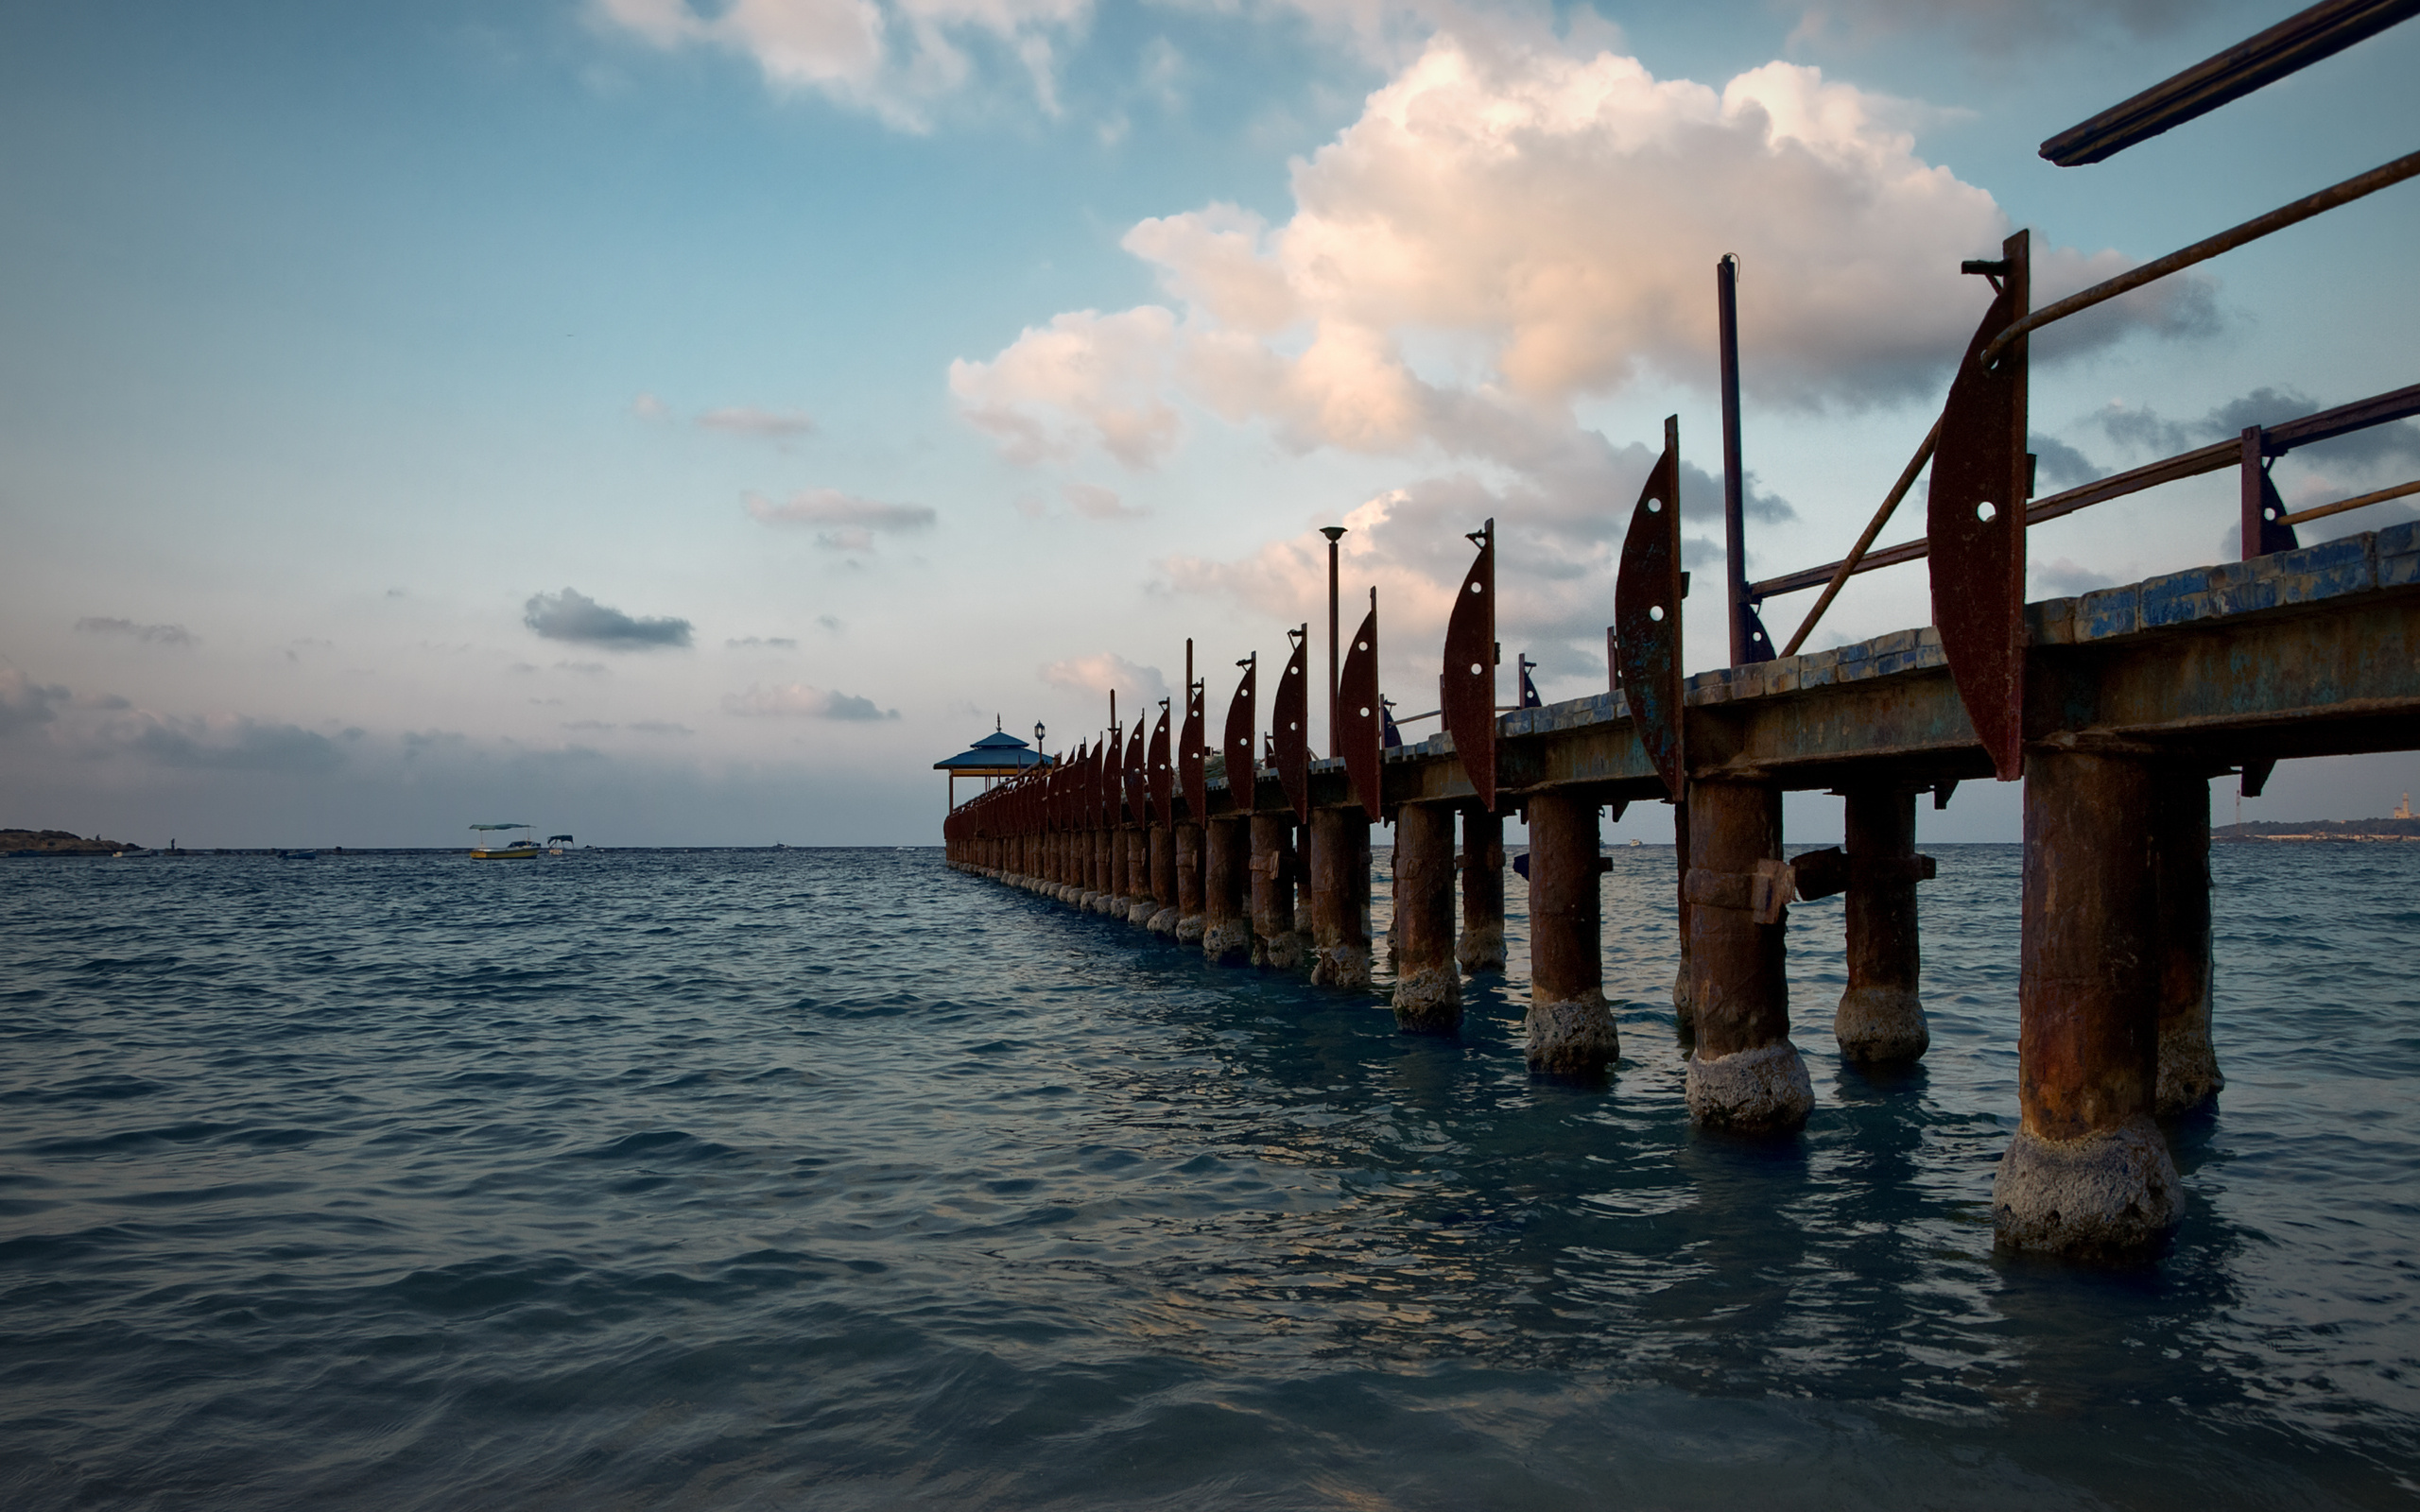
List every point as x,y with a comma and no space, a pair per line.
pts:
2115,710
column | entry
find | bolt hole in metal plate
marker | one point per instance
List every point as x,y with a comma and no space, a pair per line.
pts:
1467,704
1646,641
1987,511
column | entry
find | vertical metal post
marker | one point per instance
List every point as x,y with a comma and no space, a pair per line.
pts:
2251,492
1335,738
1748,639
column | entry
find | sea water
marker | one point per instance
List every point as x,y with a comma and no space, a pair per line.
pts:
835,1178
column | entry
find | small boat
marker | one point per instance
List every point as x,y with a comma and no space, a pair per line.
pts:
555,844
298,855
524,849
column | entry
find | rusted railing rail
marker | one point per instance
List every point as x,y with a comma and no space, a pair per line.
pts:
2276,441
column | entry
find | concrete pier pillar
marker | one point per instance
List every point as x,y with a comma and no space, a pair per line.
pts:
1571,1028
1428,984
1341,898
2087,1174
1189,885
1161,919
1226,869
1139,905
1275,942
2189,1065
1685,1018
1305,924
1743,1072
1880,1018
1481,946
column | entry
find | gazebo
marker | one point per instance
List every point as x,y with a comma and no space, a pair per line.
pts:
997,754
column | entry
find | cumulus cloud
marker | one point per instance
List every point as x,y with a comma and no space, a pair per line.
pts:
799,700
1096,503
1105,672
228,743
1509,228
847,522
2144,430
24,703
760,425
892,58
150,634
572,615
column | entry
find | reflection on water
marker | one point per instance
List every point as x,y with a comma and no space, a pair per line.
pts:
835,1177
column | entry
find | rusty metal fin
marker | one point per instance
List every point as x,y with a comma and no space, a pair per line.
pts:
1975,521
1647,615
1363,732
1237,747
1290,732
1466,692
1162,776
1137,789
1192,757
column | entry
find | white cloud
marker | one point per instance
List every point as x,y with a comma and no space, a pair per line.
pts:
148,634
1106,672
1544,226
1096,503
762,424
849,523
1087,376
799,700
647,406
892,58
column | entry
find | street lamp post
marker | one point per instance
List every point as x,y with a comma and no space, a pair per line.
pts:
1335,741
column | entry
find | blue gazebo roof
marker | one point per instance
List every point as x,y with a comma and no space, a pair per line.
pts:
996,752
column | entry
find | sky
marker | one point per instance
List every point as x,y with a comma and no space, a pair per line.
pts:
672,421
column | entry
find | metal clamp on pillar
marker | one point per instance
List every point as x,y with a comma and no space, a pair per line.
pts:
1830,872
1764,894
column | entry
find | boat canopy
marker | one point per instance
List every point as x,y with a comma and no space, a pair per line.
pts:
503,826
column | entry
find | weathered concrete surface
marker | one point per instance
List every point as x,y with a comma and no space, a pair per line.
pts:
1880,1018
1738,976
1275,943
2187,1075
2087,1007
2109,1195
1480,947
1339,898
1759,1090
1570,1025
1429,982
1226,860
1189,885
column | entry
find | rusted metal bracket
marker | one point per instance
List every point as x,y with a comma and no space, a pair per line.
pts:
1466,692
1764,893
2264,514
1829,871
1975,523
1236,747
1289,732
2256,777
1362,737
1647,615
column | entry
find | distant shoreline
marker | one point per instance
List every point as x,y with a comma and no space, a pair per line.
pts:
2310,830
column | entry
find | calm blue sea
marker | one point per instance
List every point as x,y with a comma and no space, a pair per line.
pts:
834,1178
